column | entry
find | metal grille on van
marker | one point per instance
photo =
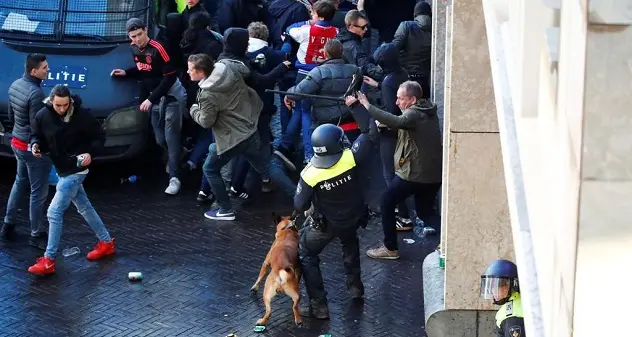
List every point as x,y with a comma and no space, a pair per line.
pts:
80,21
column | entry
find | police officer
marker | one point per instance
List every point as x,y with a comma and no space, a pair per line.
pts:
499,283
330,181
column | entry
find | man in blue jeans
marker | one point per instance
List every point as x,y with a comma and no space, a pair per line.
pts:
25,100
231,109
69,134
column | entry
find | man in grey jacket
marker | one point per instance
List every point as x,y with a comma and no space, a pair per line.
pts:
231,109
418,160
25,100
332,78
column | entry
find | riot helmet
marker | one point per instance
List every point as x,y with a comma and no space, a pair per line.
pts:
499,281
327,143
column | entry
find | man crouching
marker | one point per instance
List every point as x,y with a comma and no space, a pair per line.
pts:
69,134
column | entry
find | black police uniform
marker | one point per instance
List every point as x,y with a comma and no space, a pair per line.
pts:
336,193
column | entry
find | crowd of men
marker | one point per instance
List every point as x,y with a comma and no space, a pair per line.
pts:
211,85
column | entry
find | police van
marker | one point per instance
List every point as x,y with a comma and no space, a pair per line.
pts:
83,41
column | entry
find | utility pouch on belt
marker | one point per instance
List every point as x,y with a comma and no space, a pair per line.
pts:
318,221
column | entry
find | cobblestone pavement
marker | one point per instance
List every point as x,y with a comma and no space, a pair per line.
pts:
197,272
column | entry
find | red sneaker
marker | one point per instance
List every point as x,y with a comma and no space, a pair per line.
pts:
102,249
43,266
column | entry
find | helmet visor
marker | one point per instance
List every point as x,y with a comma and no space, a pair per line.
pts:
495,288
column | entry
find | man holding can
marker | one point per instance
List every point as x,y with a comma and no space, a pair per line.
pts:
69,134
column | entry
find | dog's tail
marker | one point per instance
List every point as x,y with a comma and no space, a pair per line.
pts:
285,274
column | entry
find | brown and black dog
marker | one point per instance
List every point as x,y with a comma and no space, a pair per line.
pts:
285,276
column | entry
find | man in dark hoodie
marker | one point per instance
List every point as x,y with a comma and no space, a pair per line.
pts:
264,60
70,134
414,40
387,57
236,42
417,159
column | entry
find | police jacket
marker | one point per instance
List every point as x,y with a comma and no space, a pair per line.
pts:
336,191
25,100
332,78
510,319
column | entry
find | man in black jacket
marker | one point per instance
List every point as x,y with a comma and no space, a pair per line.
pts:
354,51
25,100
162,94
414,40
69,134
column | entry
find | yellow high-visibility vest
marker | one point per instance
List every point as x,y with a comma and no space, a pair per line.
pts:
182,4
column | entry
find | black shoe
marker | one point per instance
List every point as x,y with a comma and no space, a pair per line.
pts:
316,308
8,231
203,197
40,241
286,156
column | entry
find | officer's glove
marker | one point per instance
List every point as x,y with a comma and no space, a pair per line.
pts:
310,211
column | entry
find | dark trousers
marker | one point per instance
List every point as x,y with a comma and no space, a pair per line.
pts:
241,166
387,153
313,241
398,190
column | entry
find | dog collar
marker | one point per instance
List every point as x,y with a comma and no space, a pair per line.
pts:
292,224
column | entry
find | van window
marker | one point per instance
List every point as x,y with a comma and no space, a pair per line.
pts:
69,20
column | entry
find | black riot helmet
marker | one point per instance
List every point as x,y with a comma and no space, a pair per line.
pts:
327,143
500,279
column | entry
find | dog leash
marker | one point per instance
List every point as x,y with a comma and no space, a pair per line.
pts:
292,222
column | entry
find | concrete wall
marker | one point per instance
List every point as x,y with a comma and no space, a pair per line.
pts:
604,245
475,218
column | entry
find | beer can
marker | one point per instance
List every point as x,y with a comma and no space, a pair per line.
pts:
135,276
442,261
80,159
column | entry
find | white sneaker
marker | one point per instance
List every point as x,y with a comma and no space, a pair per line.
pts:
174,186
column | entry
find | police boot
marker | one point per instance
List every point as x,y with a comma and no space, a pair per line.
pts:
317,308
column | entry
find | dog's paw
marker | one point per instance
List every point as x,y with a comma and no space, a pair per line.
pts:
299,324
254,288
261,322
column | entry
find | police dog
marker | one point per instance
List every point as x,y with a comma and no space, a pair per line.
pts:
285,276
